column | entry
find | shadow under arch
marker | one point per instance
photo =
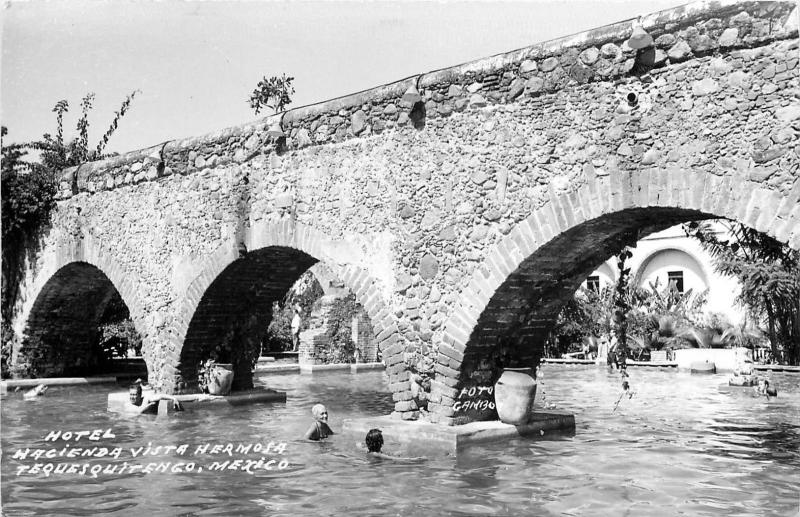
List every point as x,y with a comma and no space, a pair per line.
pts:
505,313
78,278
232,297
61,336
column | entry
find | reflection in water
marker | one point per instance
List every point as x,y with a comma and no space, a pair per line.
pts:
681,445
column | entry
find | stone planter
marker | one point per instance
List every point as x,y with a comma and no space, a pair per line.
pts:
514,393
221,379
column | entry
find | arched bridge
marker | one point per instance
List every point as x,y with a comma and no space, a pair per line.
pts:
462,206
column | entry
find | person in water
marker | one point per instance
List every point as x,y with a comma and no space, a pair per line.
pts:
319,429
149,403
38,391
374,442
764,389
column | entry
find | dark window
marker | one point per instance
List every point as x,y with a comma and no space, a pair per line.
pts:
593,283
675,278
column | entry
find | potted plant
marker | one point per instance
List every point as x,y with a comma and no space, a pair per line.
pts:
215,378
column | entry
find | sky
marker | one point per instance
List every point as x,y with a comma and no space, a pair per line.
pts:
196,63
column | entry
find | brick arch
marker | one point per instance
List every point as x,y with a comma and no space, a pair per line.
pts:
327,279
497,321
63,305
301,247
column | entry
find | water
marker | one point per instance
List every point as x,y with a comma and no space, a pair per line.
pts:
680,446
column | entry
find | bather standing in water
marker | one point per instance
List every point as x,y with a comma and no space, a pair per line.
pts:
319,429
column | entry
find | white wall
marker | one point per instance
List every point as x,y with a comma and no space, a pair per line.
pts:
671,250
725,359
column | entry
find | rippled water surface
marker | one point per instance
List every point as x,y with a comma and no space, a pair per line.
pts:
681,446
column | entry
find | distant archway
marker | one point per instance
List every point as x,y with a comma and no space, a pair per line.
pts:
233,296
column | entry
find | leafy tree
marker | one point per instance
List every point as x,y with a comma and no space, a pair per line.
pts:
29,188
654,317
769,274
274,93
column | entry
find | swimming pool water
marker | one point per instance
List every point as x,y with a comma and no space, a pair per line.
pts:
681,446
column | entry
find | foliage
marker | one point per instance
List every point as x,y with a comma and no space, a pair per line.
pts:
205,374
56,154
655,317
7,343
117,338
340,347
29,187
622,304
305,292
27,200
274,93
769,274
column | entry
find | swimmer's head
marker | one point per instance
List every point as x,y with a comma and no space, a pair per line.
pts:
374,440
135,394
320,412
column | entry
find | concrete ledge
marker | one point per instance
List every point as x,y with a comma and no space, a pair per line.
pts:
423,438
568,361
667,364
118,401
277,368
315,368
776,368
654,364
54,381
358,367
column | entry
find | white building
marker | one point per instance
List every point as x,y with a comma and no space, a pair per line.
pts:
671,256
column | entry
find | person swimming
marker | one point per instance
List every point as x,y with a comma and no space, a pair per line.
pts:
319,429
764,389
35,392
149,403
374,442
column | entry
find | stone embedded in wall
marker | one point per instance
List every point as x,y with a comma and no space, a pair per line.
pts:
528,66
679,51
358,122
704,87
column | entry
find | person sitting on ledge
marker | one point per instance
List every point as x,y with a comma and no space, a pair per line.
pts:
149,403
319,429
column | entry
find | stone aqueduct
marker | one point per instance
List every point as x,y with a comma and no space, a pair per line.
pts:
461,218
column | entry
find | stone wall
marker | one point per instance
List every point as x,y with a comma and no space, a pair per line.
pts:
328,338
364,337
461,218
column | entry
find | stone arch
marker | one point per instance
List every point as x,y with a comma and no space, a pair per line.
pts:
298,247
63,305
551,251
330,283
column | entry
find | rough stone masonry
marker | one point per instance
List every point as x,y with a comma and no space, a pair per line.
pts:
462,206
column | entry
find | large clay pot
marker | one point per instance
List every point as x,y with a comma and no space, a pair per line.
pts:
514,393
221,379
